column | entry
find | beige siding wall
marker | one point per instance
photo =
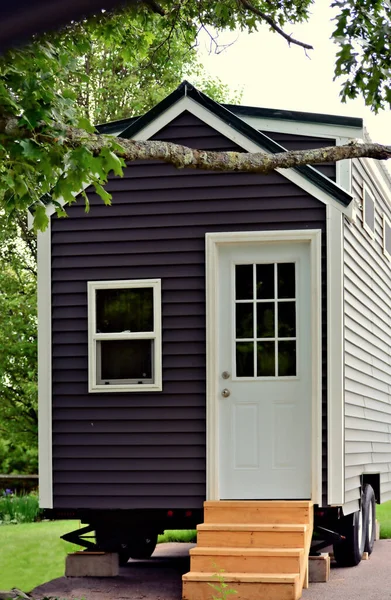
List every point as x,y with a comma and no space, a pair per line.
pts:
367,282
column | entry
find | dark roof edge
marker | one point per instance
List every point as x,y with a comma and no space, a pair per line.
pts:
111,126
259,138
294,115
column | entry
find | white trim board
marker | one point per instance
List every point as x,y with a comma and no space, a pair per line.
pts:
326,130
45,369
213,242
335,360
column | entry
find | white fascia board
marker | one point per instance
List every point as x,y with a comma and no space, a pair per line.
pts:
335,360
45,369
326,130
238,138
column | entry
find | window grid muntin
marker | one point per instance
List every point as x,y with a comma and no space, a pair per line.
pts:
255,339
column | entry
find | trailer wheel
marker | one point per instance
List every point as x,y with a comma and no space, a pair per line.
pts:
369,517
142,546
348,552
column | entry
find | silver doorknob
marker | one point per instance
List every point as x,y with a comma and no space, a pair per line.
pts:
225,393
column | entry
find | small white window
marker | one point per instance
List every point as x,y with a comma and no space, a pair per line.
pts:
386,237
124,336
368,212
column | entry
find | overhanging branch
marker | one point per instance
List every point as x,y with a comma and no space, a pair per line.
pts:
184,157
256,11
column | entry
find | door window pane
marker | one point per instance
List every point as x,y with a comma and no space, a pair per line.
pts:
286,319
286,280
126,359
244,282
245,320
120,310
265,319
265,282
266,359
287,359
245,359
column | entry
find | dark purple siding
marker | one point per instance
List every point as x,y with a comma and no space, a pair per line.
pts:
306,142
147,450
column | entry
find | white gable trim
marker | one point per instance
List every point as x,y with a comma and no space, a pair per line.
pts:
229,132
326,130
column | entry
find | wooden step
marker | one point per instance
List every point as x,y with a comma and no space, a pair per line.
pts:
228,535
246,560
273,586
262,511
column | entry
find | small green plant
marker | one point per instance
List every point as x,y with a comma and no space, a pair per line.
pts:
222,588
18,509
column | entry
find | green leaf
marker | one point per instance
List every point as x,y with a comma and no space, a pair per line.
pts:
84,123
106,197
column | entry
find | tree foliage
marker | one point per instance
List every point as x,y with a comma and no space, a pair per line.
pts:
18,347
58,84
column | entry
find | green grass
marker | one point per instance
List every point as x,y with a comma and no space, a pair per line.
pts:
383,514
33,553
177,536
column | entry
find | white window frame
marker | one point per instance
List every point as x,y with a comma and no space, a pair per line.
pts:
386,223
365,224
94,337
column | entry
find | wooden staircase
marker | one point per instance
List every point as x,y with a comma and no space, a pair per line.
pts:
259,548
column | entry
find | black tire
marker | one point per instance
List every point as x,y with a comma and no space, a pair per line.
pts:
348,552
142,546
369,517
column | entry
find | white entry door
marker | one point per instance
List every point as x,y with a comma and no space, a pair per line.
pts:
264,371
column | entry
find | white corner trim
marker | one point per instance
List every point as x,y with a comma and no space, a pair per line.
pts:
335,360
45,369
235,136
213,241
344,169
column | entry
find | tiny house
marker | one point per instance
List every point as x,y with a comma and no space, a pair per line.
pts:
220,337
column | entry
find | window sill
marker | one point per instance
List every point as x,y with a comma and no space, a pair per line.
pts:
115,388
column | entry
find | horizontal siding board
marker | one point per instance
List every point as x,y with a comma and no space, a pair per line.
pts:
368,342
126,477
98,427
155,228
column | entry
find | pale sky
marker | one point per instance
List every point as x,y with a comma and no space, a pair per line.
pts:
274,75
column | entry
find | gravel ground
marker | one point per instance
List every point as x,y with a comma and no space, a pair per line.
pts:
160,579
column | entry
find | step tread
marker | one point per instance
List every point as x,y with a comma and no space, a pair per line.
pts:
243,577
234,551
283,527
258,503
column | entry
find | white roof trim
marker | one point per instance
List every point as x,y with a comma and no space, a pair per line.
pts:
326,130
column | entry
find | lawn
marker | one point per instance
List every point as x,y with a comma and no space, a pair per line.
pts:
33,553
383,515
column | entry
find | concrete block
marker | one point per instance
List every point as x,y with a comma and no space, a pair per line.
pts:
92,564
319,568
377,534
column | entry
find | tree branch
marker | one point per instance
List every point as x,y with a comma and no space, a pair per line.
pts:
184,157
256,11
